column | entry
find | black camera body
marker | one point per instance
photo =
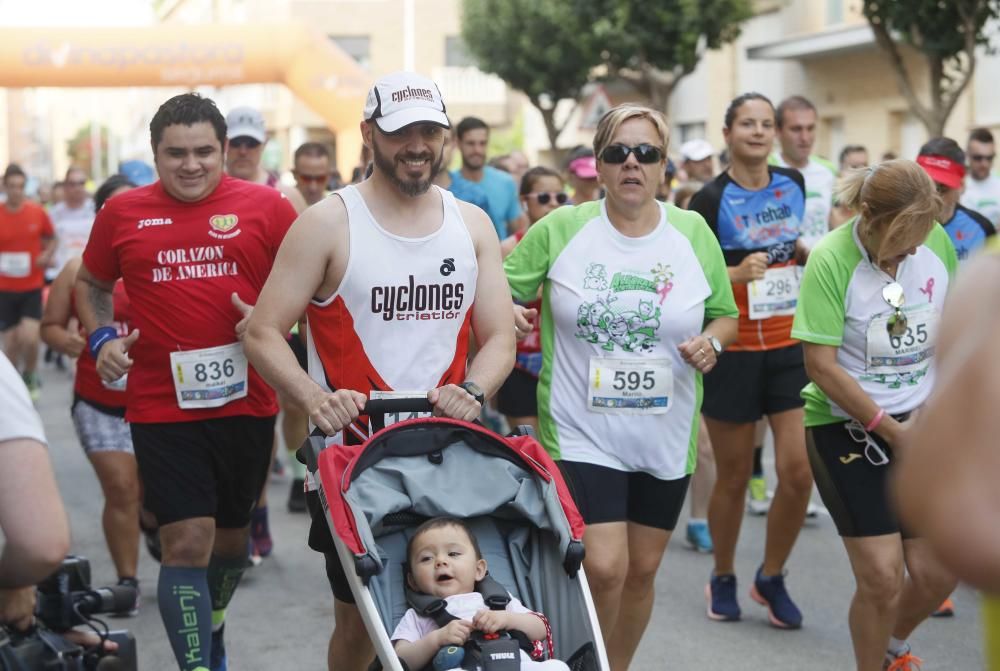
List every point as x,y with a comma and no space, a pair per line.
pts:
65,600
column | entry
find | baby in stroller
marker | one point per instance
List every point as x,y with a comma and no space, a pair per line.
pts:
444,561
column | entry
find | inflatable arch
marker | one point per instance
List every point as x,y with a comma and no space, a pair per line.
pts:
316,70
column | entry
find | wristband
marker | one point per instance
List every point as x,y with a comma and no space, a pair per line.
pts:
876,420
100,337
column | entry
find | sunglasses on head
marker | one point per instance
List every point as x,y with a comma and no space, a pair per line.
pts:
244,142
892,294
545,197
644,153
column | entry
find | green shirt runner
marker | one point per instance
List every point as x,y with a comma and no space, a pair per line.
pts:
614,390
841,305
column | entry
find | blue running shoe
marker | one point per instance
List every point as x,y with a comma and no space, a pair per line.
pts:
720,593
698,537
219,662
770,591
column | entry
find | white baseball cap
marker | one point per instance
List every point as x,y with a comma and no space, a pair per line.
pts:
696,150
245,122
404,98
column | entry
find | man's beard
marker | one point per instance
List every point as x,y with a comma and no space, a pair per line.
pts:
387,166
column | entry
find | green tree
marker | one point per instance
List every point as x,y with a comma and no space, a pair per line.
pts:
654,44
80,150
946,34
541,48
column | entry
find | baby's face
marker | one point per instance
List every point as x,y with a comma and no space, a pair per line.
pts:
443,562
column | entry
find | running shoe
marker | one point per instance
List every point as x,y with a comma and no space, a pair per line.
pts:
218,661
34,386
698,537
946,609
770,591
260,534
759,501
812,510
134,610
720,592
297,496
904,661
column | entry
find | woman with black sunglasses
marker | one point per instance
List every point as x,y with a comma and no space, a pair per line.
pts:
871,296
636,307
756,211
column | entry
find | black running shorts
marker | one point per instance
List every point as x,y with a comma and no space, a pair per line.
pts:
321,540
18,305
209,468
518,397
853,489
745,386
604,494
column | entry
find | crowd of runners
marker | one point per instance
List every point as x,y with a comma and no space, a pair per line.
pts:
667,314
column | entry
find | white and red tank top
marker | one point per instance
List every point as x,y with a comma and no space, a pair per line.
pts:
399,321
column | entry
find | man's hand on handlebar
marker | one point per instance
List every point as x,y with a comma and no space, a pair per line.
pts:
455,402
330,413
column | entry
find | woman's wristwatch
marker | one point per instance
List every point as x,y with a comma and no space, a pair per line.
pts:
716,345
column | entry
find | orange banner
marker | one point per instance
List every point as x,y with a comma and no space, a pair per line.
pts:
317,71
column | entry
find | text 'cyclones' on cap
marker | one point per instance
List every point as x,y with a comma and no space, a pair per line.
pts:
405,98
246,122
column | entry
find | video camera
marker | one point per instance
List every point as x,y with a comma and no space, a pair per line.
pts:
66,600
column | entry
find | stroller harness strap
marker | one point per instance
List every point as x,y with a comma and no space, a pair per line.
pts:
494,595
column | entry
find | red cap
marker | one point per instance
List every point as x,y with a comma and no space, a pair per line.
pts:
584,167
943,170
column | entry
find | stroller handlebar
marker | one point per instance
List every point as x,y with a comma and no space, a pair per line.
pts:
375,410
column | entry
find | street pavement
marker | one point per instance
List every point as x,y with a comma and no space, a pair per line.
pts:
282,614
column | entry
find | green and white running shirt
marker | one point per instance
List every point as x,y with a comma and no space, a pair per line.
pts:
614,390
841,304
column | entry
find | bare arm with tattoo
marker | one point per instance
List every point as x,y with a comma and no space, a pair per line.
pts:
96,309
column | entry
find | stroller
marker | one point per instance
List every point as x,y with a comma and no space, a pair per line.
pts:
507,489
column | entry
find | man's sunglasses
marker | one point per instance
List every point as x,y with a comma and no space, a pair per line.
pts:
545,197
893,295
975,158
644,153
317,179
244,142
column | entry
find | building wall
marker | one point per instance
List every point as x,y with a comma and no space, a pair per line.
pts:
856,91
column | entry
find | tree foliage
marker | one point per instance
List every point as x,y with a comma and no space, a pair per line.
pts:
81,147
946,34
655,44
550,49
538,48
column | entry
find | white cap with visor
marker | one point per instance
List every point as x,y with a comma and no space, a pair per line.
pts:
403,99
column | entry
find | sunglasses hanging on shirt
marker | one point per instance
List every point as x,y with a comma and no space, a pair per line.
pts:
892,294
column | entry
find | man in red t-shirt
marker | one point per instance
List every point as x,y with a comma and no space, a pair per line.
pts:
27,243
190,249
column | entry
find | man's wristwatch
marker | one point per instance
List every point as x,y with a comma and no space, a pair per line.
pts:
716,345
474,390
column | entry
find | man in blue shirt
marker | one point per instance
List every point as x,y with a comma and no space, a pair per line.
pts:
501,192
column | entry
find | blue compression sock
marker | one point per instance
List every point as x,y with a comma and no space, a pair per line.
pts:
186,609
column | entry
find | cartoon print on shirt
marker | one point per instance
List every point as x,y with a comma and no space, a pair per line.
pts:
631,330
597,277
